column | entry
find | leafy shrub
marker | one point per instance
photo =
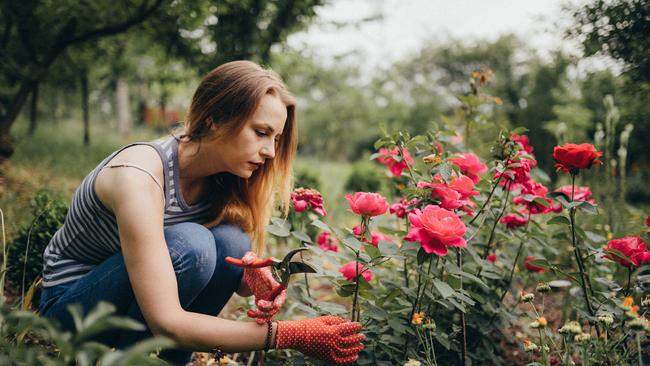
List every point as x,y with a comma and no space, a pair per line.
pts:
365,177
307,178
30,242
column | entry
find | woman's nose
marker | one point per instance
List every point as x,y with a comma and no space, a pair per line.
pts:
268,151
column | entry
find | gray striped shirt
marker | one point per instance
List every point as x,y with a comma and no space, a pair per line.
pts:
89,234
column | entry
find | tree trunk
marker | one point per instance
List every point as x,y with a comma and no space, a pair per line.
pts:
33,111
6,121
84,106
123,110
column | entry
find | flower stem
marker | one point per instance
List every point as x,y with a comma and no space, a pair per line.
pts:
514,264
480,211
638,348
459,263
584,281
629,281
494,226
355,303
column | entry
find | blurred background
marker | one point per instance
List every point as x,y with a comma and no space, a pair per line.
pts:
79,79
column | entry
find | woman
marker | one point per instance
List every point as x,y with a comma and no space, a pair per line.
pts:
149,228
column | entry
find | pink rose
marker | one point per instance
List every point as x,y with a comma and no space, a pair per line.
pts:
523,141
492,258
580,194
536,190
327,242
367,203
396,167
517,174
435,229
470,165
449,198
513,221
349,271
307,197
632,247
464,186
531,267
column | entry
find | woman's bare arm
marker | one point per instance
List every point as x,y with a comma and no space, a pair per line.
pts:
137,203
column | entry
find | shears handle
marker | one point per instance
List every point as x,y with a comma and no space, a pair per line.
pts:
258,263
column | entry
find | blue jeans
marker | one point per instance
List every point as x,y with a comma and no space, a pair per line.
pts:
205,282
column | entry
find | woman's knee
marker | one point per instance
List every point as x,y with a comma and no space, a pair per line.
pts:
231,240
192,249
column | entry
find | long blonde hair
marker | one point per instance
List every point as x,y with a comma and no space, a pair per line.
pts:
228,96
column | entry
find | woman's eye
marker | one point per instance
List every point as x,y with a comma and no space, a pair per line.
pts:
260,133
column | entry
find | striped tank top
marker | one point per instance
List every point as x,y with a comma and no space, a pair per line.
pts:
89,234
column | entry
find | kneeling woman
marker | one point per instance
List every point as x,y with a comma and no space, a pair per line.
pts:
150,226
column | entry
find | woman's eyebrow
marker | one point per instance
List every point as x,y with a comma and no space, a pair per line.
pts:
268,127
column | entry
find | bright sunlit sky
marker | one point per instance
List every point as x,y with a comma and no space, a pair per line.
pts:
409,24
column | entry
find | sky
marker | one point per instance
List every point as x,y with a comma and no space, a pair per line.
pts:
409,24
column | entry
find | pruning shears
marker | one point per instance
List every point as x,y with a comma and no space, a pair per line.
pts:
280,269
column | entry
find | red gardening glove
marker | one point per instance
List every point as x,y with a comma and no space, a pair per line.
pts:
329,338
269,294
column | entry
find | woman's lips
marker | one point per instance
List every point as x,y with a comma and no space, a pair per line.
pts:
254,166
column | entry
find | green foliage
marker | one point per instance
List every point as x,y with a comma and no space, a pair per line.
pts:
25,260
28,339
365,177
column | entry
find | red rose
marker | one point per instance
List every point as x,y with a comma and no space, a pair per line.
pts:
632,247
572,157
513,221
327,242
536,190
307,197
532,267
492,258
367,204
349,271
435,229
396,167
470,165
647,221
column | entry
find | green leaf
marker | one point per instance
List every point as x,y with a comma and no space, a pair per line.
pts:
352,242
613,253
541,201
388,249
301,236
443,288
559,220
384,141
588,207
543,263
422,256
321,225
278,230
518,131
372,251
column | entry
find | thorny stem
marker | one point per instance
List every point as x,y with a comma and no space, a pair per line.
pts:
302,228
400,150
355,302
494,226
629,280
480,211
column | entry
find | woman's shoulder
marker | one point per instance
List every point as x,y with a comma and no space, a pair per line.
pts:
139,165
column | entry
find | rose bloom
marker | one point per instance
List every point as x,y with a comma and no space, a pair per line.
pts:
350,272
435,229
523,141
375,236
572,157
517,175
532,267
449,198
367,203
492,258
470,165
307,197
537,190
580,193
401,208
632,247
513,221
327,242
396,167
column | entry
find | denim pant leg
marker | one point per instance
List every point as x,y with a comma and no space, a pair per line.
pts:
205,281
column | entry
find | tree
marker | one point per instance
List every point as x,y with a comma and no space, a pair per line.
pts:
36,33
619,29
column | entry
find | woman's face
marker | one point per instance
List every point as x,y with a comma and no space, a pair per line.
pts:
257,141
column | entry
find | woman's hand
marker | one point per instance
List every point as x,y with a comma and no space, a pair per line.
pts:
329,338
269,294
